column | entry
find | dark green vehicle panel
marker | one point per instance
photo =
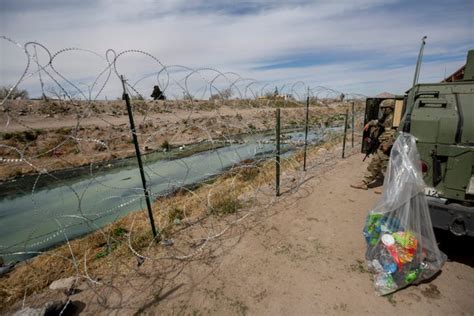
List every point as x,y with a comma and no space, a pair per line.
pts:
466,102
442,120
441,117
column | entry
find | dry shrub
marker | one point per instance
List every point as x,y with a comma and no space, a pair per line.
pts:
248,172
224,203
33,276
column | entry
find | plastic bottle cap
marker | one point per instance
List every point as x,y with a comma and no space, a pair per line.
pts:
388,240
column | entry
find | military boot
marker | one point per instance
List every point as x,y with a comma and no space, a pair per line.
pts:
360,185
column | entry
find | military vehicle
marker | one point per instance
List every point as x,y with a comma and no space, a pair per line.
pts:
441,117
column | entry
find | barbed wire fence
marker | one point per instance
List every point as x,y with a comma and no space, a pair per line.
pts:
71,193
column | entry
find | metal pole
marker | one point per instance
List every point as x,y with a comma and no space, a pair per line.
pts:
418,62
353,114
126,97
277,158
345,133
407,116
306,131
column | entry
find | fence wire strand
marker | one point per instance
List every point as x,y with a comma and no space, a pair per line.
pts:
70,187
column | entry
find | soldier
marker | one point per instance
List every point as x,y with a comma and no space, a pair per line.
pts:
157,94
378,165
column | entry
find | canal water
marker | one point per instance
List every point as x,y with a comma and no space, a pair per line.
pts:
38,217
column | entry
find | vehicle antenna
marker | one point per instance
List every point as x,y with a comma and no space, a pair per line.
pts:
418,63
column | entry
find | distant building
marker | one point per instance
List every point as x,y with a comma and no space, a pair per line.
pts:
455,76
385,95
276,97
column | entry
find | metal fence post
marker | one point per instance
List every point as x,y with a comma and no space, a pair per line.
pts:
139,156
353,115
277,158
306,131
345,133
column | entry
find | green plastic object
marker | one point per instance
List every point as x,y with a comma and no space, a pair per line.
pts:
411,276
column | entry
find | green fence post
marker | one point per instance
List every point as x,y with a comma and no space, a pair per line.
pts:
353,115
139,156
277,158
345,133
306,132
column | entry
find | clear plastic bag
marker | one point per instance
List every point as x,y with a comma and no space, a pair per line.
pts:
401,245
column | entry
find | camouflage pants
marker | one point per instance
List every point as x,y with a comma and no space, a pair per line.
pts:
377,166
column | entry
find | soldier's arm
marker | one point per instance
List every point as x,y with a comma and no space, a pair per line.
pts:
387,139
371,123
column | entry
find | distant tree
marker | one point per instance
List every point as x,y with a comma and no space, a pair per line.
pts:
15,94
225,94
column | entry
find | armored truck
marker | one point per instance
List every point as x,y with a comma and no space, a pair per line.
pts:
441,117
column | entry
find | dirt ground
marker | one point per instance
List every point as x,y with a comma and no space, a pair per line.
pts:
302,256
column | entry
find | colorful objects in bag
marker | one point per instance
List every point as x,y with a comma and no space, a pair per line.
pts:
377,224
406,239
401,245
372,228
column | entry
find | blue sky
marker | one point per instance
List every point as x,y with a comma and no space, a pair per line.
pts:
364,46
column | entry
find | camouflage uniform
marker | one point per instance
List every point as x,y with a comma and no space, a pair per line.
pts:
378,165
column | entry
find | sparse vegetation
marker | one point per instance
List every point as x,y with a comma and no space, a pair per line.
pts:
137,97
248,172
14,94
175,214
119,231
225,94
223,204
22,137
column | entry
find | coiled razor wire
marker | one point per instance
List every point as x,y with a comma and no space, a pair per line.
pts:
61,157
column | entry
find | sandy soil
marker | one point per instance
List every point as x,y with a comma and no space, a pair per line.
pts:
302,256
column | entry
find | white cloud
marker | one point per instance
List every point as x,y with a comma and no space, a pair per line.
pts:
372,47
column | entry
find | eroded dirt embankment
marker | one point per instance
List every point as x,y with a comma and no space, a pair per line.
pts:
39,136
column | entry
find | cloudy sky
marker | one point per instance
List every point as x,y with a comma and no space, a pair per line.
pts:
355,46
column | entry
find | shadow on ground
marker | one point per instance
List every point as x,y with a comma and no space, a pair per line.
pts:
458,249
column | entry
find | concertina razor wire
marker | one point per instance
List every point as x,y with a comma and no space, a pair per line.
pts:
68,167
